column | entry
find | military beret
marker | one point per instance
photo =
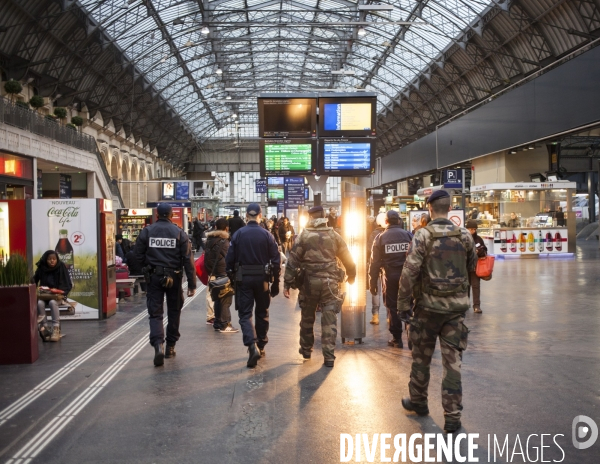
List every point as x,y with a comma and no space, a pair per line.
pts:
253,209
164,209
471,224
437,195
315,209
392,214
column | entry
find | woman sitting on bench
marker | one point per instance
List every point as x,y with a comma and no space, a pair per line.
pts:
52,273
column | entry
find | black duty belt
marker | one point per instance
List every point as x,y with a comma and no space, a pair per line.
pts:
253,269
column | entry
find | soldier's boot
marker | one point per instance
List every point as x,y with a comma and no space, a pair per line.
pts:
159,354
170,351
253,355
477,309
375,319
305,354
421,410
262,352
55,337
329,362
451,426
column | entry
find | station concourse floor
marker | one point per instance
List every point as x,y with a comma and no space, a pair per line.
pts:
532,365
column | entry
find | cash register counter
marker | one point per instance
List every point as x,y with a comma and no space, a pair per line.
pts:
526,240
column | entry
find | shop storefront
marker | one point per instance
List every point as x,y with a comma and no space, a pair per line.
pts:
525,218
130,222
16,177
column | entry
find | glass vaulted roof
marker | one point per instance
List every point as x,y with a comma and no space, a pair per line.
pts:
210,59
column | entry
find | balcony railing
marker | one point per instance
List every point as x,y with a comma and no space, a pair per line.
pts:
31,121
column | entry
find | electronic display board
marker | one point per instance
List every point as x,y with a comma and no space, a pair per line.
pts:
285,157
346,156
275,181
347,116
275,193
287,117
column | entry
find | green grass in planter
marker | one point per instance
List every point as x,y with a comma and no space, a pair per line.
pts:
14,272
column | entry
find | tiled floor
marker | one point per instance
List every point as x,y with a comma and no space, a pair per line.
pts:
532,366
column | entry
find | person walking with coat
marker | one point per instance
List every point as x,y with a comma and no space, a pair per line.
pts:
474,279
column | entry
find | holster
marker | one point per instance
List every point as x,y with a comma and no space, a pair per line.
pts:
251,270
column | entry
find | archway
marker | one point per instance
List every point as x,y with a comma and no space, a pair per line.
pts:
125,186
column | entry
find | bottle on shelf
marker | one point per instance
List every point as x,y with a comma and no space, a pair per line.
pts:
558,240
503,241
513,244
530,242
64,249
549,241
540,241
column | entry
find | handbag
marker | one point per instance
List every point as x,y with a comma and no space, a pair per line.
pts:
485,267
201,270
222,285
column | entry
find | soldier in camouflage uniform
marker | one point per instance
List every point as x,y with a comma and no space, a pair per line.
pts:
315,255
436,275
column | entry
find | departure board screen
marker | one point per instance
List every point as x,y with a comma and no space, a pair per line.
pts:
347,156
347,116
281,157
287,117
275,194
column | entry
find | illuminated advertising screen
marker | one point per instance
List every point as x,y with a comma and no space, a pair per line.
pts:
346,157
287,117
347,116
283,157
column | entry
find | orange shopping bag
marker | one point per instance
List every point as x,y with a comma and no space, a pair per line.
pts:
485,267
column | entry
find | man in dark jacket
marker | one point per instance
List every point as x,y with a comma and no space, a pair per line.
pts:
217,244
375,299
197,231
165,249
235,223
388,254
474,279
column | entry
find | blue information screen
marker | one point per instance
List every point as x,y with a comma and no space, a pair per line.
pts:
347,156
347,116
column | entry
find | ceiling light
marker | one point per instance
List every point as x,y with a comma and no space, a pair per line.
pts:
205,30
344,72
362,31
531,147
513,152
234,115
219,71
228,97
178,21
189,43
237,89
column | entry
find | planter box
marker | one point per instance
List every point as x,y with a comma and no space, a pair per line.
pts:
19,319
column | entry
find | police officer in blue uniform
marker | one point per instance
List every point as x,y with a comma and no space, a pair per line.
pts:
164,249
389,253
253,260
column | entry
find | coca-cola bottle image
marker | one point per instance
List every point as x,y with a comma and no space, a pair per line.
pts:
558,240
513,244
503,241
64,249
540,241
549,241
523,242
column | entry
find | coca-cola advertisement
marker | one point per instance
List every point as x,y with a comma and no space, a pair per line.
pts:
69,227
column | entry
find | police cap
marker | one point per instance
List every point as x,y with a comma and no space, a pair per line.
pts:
316,210
164,209
437,195
253,209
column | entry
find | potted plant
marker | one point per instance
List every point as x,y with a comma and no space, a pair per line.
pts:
13,88
22,104
18,312
36,102
77,121
60,113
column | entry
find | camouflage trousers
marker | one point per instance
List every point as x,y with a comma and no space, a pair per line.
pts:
318,291
425,328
